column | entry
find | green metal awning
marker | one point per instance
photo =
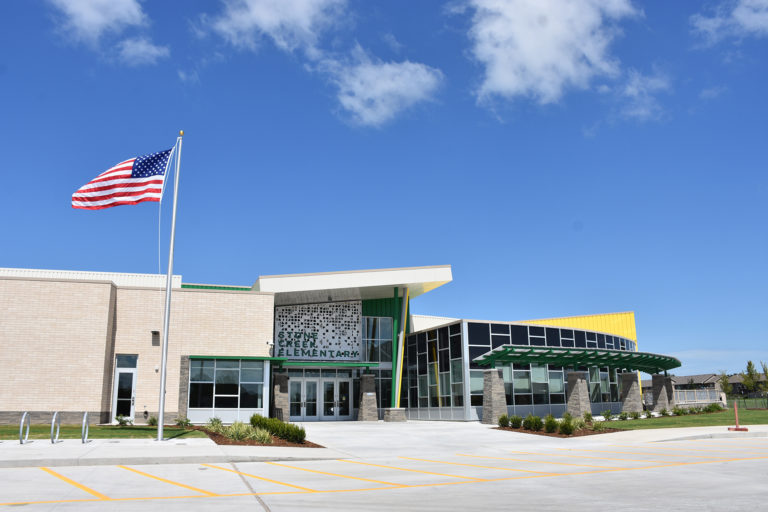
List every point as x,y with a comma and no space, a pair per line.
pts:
331,364
643,361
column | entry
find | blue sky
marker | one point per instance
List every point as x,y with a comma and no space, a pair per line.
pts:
565,158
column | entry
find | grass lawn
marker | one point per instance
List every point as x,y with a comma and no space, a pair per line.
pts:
99,432
714,419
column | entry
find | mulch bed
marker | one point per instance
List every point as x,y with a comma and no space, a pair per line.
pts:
276,441
576,433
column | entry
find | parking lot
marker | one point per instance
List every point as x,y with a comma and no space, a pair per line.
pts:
514,470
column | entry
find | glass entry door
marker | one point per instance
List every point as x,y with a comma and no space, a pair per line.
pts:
325,399
124,397
303,400
337,399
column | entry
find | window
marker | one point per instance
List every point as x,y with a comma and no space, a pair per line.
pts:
126,360
377,339
226,384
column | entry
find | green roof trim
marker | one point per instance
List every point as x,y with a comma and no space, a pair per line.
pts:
345,364
643,361
247,358
216,287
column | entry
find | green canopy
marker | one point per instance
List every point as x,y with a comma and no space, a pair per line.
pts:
643,361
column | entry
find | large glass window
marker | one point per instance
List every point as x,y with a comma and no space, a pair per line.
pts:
226,384
377,339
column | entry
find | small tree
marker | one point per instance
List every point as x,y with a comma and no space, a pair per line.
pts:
765,374
724,384
750,378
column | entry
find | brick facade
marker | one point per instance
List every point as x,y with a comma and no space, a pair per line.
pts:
60,337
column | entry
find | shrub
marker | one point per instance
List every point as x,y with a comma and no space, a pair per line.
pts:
678,411
649,414
550,424
238,431
515,421
713,408
215,425
503,421
261,436
664,412
123,420
607,415
598,426
567,416
587,417
288,431
532,422
579,424
182,421
566,427
624,416
152,421
635,415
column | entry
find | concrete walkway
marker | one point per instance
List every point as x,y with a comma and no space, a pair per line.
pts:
71,452
343,440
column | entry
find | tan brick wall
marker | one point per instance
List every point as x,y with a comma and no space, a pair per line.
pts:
56,339
203,322
53,340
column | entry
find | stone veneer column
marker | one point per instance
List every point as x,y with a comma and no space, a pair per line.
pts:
183,386
369,409
663,393
494,397
578,394
631,401
281,404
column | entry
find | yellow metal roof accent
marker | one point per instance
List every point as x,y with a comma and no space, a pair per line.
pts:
619,324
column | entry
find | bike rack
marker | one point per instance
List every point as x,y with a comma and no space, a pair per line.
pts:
55,422
84,431
25,418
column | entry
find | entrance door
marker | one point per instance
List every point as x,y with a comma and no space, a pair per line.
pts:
124,396
303,400
337,399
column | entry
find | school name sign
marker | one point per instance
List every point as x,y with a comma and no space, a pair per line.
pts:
322,332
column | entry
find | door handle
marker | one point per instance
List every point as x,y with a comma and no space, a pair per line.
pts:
133,400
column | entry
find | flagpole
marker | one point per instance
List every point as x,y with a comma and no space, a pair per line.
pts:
168,282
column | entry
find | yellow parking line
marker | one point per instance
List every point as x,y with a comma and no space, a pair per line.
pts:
411,470
536,461
479,466
207,493
638,453
674,449
78,485
307,489
586,457
334,474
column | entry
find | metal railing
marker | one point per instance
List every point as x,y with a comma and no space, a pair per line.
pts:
84,429
25,418
55,422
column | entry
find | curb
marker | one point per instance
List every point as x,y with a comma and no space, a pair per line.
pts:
139,461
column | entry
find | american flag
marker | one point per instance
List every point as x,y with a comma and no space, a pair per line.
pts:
130,182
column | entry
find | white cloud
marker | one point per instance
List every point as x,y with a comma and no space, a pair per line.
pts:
733,18
139,50
711,93
391,41
291,24
639,95
539,48
373,91
87,20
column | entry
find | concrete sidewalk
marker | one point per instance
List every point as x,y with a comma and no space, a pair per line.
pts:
72,452
344,440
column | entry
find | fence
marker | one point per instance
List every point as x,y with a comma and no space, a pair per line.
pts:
696,396
759,402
